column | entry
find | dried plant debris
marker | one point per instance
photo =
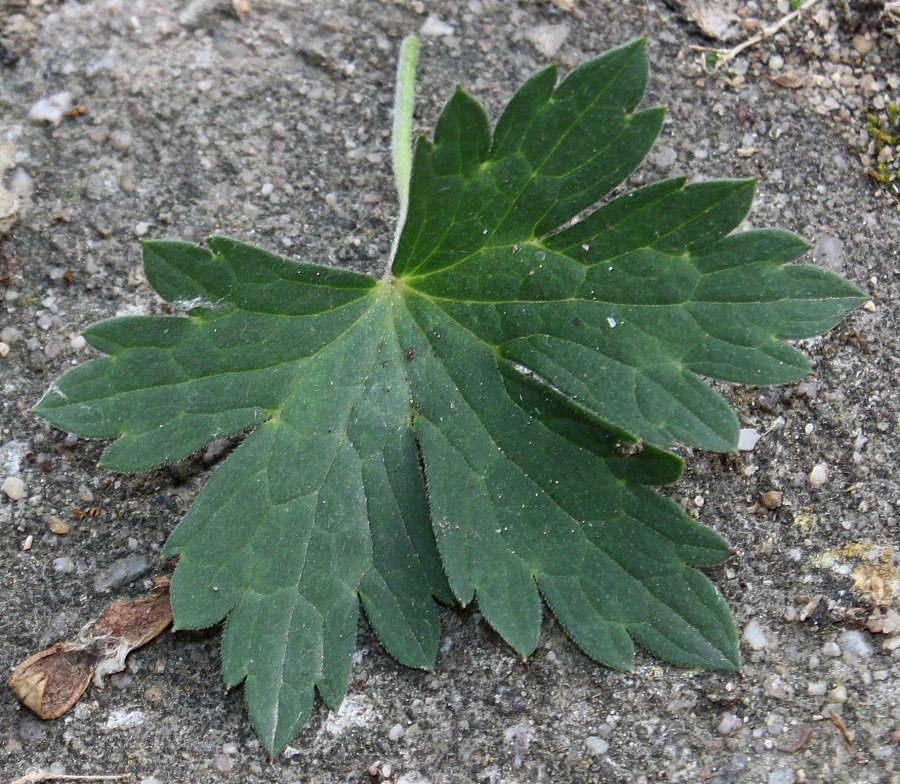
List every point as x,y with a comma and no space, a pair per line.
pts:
36,774
53,680
9,204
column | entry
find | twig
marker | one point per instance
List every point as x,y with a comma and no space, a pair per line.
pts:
727,55
36,774
842,728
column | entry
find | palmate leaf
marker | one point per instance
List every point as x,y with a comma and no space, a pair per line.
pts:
483,422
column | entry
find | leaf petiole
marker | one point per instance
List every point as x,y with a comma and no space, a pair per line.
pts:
401,138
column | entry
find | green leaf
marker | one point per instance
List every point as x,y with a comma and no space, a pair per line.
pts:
483,423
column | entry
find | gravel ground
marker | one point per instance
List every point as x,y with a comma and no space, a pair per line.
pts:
185,119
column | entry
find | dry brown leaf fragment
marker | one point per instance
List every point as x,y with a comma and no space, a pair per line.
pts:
804,733
53,680
789,80
867,580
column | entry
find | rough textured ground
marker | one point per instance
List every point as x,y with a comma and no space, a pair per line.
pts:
274,129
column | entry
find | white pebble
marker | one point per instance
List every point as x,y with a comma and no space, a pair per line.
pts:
838,693
124,719
831,649
78,342
396,732
21,184
51,110
855,645
4,349
140,229
892,644
13,487
547,39
120,140
816,688
728,724
819,475
10,335
782,776
435,27
596,745
413,777
63,565
754,636
747,439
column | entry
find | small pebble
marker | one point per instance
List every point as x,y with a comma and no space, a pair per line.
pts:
29,540
78,342
140,229
728,724
396,732
58,526
63,565
122,572
51,110
754,636
31,728
775,686
4,349
120,140
435,27
855,645
665,157
223,763
124,719
816,688
546,38
215,449
831,649
120,680
862,44
819,475
772,499
748,438
596,745
13,487
838,693
782,776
